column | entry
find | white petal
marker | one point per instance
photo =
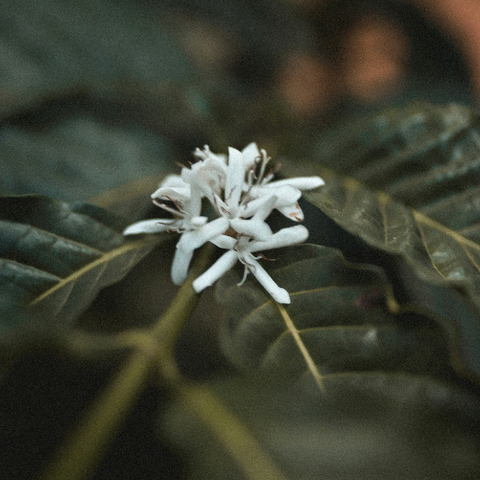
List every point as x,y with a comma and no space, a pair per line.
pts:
199,221
178,194
235,177
280,295
257,229
212,173
197,182
250,153
196,238
219,268
155,225
293,212
260,207
206,154
180,264
286,194
302,183
224,241
283,238
193,208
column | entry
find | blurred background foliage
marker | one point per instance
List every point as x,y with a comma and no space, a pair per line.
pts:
99,99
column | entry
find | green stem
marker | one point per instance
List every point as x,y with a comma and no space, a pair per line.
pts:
78,457
232,433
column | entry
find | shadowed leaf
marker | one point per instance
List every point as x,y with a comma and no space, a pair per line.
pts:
69,297
79,158
56,45
408,185
57,256
341,313
365,426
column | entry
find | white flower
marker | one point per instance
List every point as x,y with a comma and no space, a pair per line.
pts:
242,249
195,229
240,189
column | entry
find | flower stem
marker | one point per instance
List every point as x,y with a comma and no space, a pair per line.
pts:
78,457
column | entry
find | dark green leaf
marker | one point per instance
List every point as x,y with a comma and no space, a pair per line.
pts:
341,313
425,156
51,46
57,256
69,297
79,158
422,157
366,426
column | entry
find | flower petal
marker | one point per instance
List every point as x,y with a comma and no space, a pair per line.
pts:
293,212
155,225
177,194
219,268
235,177
224,241
286,194
260,208
196,238
279,294
251,154
180,264
283,238
206,154
302,183
254,228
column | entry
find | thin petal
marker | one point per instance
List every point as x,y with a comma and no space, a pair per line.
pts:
224,241
178,194
206,154
155,225
196,238
193,208
283,238
260,207
257,229
235,177
302,183
293,212
251,154
197,182
280,295
219,268
286,194
180,264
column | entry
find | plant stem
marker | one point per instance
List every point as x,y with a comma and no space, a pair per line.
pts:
78,457
317,376
232,433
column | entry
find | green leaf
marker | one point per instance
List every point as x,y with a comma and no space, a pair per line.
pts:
366,426
70,296
84,44
419,202
424,156
341,313
57,256
80,158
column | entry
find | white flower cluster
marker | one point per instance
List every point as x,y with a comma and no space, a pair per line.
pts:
241,191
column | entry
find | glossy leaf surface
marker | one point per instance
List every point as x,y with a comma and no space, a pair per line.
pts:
57,256
408,186
341,312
